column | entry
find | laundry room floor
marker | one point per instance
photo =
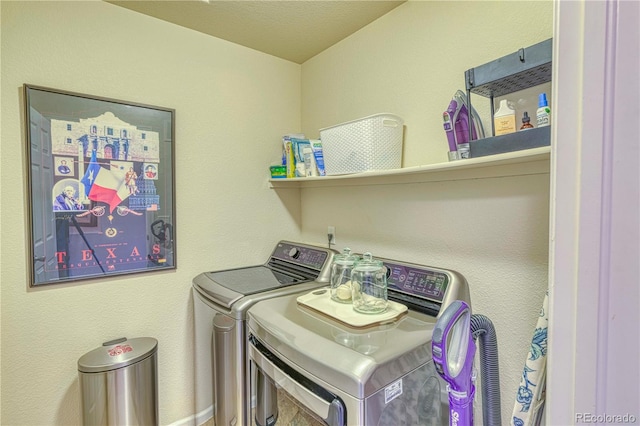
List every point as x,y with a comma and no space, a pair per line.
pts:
289,414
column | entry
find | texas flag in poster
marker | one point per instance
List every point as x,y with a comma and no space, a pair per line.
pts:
106,185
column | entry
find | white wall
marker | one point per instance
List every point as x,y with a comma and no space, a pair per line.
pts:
492,230
232,106
411,61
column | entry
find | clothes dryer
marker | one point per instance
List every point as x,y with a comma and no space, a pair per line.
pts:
352,369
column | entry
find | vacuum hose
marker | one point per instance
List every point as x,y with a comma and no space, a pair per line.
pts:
482,329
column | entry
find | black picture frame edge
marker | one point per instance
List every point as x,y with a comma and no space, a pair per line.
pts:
26,140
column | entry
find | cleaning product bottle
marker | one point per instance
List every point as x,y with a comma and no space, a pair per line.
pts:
544,112
504,119
526,122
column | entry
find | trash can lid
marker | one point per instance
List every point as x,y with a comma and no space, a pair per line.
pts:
117,354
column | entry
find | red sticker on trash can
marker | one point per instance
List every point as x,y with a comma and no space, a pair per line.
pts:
119,350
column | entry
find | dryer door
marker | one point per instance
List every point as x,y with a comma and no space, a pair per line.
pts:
323,403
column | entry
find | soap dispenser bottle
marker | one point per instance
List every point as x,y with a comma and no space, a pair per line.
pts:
544,112
504,119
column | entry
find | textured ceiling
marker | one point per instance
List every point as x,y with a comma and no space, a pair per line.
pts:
292,30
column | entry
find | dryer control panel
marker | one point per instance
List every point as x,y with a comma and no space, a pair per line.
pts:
424,288
419,282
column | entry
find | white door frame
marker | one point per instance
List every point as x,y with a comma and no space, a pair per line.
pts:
594,360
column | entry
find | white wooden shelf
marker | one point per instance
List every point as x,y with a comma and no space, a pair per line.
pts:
517,163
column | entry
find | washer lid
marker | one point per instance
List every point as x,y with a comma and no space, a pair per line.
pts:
226,287
117,354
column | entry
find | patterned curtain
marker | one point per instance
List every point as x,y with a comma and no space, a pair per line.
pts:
531,392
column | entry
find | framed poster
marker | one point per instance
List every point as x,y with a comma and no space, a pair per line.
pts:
101,186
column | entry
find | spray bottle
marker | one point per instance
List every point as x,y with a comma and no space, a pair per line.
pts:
543,114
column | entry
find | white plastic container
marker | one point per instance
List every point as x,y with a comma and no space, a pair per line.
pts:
504,119
369,143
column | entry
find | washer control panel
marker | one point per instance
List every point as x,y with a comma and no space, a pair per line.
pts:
310,257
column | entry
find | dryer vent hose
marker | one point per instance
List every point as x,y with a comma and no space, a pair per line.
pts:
482,329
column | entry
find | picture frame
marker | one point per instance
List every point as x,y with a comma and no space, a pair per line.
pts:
101,186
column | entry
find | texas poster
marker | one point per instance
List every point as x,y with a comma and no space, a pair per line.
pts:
105,185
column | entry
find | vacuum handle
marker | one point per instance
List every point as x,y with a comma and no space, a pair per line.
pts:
461,408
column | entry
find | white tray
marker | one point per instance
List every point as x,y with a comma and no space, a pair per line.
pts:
320,301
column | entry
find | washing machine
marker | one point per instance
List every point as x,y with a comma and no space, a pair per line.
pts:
221,300
343,368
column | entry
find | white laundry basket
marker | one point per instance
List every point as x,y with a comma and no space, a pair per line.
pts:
369,143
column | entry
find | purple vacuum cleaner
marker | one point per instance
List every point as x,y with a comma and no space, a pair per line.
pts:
453,354
454,349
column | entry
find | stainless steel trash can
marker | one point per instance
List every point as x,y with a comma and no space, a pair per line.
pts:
118,383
